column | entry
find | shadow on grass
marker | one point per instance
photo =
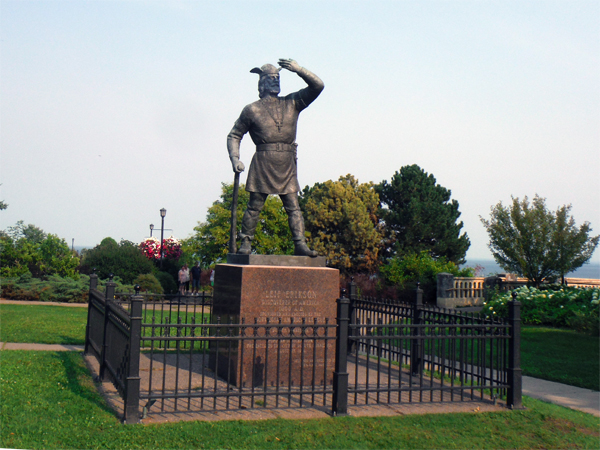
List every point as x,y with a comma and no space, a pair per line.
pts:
80,381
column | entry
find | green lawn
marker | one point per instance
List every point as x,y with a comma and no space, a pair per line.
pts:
552,354
49,401
561,355
42,324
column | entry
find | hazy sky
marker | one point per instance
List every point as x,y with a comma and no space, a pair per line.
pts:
111,110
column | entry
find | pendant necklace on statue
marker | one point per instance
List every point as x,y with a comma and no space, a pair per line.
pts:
279,119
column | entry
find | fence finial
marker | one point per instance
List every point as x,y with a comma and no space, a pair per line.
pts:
110,276
137,289
514,295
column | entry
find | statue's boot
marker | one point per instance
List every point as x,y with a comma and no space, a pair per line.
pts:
246,247
301,249
296,222
249,222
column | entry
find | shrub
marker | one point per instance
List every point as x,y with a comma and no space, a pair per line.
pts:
54,288
405,272
167,282
567,307
149,283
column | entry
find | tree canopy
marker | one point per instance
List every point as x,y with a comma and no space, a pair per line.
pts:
419,216
124,260
28,249
538,244
342,224
210,241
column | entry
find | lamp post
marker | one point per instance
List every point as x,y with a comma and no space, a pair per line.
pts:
151,228
163,213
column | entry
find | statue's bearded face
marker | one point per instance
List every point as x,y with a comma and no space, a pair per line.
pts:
269,85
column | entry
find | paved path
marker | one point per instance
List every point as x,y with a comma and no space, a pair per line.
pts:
572,397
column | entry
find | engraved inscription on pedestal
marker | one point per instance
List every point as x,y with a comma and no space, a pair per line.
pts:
284,312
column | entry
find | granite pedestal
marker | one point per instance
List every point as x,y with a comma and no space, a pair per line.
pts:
286,301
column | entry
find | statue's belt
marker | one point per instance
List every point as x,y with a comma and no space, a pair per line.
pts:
279,147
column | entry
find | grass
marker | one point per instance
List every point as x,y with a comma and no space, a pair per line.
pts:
42,324
560,355
50,401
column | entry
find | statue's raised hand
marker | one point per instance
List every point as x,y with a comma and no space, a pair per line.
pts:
289,64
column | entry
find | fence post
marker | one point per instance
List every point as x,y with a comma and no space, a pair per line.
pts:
93,285
513,396
416,361
132,382
340,375
109,295
352,314
445,291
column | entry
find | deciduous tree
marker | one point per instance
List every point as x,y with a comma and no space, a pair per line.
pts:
124,260
28,249
538,244
419,216
342,224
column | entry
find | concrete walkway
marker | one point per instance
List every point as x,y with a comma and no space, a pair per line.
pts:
572,397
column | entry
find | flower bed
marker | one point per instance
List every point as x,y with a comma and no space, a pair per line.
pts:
565,307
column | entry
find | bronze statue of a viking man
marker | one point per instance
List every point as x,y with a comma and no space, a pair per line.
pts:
271,122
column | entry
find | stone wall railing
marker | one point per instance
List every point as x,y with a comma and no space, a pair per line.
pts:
470,291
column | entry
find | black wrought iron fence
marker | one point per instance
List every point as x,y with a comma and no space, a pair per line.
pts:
171,354
402,353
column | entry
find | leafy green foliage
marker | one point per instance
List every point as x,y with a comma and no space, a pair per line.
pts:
538,244
124,260
148,283
341,221
419,216
167,282
54,288
405,272
28,249
210,241
568,307
421,267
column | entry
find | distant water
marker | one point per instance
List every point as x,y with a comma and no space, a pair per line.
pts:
591,270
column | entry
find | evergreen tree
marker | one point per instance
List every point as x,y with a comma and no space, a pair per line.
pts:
419,216
535,243
341,223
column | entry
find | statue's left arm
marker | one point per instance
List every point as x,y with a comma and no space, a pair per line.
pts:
315,84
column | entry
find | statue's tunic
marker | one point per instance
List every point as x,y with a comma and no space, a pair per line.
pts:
272,122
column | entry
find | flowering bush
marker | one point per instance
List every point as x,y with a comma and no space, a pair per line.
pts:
151,248
570,307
